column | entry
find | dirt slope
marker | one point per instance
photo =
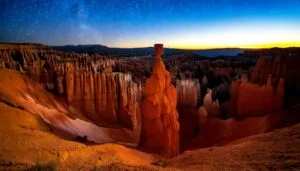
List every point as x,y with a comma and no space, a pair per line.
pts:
27,142
277,150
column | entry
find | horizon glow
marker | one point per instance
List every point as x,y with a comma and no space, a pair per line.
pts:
177,24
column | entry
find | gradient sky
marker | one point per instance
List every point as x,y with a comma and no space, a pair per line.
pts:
139,23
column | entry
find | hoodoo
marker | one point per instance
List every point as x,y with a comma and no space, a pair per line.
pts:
159,113
188,91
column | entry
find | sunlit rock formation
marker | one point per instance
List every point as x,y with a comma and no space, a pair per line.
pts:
85,81
202,116
261,71
109,96
212,107
159,113
188,93
20,92
89,89
248,99
45,65
278,63
257,100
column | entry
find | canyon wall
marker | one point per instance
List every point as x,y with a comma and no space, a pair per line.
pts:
259,100
248,99
111,97
20,92
282,64
273,85
46,66
86,82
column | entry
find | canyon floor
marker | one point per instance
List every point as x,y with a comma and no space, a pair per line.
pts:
27,143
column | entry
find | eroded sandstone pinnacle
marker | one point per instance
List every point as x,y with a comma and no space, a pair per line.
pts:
160,116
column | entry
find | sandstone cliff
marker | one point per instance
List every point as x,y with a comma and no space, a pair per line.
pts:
248,99
258,100
212,107
278,63
46,66
18,91
112,97
85,81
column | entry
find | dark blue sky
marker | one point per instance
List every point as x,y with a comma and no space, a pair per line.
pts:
134,23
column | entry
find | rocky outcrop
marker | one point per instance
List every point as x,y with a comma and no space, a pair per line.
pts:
234,94
188,93
254,100
261,71
85,81
202,116
248,99
112,97
278,63
46,66
159,114
20,92
212,107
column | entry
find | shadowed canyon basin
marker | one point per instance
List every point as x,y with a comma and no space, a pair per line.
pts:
61,110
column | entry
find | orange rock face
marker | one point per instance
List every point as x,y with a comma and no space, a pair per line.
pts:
249,99
234,93
21,92
86,82
202,116
212,107
110,96
159,114
46,65
187,93
261,71
284,65
258,100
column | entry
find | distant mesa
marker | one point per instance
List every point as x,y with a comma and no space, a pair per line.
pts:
102,49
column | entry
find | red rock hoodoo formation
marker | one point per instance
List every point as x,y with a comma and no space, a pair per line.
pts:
249,99
259,100
212,107
110,96
261,71
46,65
21,92
271,81
188,93
285,65
202,116
234,93
85,81
159,114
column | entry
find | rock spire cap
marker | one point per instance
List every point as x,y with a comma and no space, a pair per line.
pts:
159,50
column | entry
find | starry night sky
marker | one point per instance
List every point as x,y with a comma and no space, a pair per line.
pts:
140,23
